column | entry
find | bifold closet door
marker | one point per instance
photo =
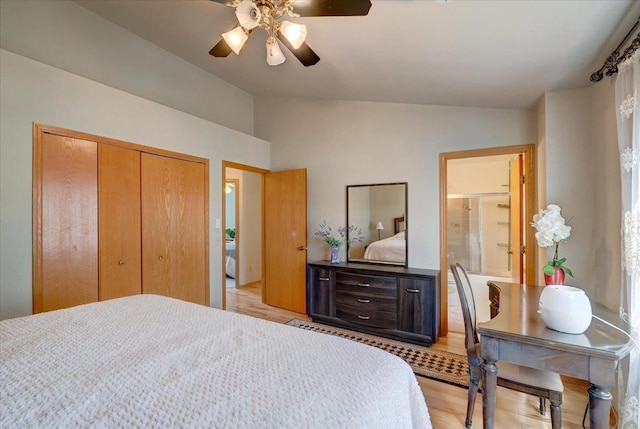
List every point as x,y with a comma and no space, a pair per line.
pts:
66,225
119,222
173,228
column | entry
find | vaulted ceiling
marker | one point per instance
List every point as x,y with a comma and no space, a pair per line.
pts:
502,54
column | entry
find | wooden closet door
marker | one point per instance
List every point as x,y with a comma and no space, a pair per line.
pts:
65,222
173,228
119,222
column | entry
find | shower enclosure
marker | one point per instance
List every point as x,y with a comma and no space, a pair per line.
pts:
478,232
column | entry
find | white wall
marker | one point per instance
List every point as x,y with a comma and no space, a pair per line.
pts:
571,179
583,177
607,192
360,215
35,92
348,143
386,204
541,176
69,37
478,175
230,208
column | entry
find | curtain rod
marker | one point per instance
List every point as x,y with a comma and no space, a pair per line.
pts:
611,64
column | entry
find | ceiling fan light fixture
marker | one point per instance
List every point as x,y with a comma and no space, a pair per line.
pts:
248,14
295,33
235,39
274,53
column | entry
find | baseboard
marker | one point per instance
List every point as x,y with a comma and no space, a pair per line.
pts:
256,283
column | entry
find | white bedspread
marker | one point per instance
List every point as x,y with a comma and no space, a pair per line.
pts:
151,361
393,249
230,263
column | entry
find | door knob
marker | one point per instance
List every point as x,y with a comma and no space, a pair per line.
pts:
160,258
301,248
121,262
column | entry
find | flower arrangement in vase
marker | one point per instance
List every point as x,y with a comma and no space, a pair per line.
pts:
551,230
352,233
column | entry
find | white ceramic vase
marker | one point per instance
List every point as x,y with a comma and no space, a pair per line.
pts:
565,308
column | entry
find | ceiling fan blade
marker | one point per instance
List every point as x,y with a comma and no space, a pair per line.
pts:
304,53
221,49
331,7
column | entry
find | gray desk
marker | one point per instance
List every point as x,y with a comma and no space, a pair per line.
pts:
518,334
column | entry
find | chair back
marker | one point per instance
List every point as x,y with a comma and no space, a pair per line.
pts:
468,305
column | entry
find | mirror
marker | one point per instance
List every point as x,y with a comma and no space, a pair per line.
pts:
378,215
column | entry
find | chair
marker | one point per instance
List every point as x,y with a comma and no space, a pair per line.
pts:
543,384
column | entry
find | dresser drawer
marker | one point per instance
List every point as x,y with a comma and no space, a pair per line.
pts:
368,285
368,316
367,300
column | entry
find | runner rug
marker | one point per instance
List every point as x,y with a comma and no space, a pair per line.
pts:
428,362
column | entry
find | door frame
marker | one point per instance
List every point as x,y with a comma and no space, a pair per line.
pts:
528,151
261,172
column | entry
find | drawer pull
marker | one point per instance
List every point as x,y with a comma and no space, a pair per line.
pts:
364,301
324,279
413,290
363,284
363,317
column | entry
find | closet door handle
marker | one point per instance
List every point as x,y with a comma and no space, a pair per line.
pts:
301,248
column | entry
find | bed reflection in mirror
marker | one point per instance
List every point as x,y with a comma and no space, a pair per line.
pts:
380,212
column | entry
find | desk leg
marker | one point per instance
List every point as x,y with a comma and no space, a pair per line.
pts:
489,383
599,407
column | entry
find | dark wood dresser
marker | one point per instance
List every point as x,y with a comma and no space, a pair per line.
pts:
394,302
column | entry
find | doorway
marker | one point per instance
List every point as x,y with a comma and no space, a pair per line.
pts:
242,222
270,238
486,198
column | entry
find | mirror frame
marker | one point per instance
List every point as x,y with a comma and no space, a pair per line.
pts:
406,222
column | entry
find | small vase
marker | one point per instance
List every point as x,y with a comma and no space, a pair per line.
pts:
556,279
335,255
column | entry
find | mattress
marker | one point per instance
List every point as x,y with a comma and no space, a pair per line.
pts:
152,361
392,249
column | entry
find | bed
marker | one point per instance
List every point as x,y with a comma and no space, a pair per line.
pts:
230,262
392,249
152,361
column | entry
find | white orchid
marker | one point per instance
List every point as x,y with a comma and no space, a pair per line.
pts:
551,230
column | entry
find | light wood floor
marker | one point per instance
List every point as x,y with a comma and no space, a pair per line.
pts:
447,404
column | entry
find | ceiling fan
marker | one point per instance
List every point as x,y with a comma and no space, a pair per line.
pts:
269,16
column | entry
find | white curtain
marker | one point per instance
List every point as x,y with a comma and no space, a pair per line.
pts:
628,116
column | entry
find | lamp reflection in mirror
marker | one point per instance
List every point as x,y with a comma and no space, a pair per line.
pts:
235,39
295,33
379,227
274,53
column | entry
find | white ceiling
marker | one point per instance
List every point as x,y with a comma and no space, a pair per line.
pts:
502,54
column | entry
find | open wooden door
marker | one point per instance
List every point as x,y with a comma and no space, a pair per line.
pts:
516,216
285,232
